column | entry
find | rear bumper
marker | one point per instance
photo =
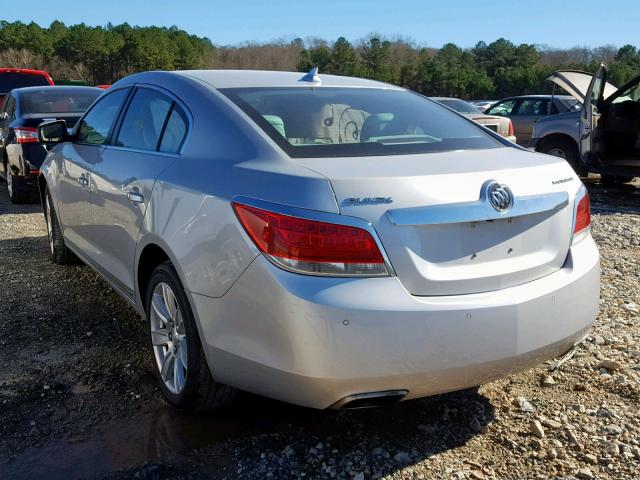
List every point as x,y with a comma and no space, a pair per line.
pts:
313,341
24,162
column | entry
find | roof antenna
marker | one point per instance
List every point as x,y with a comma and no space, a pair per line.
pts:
311,76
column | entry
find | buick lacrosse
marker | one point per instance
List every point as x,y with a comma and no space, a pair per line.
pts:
322,240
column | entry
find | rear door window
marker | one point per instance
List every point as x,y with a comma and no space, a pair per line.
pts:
144,120
175,131
10,108
95,126
532,107
502,109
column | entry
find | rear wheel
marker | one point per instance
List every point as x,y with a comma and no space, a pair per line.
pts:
178,360
614,179
18,192
563,148
58,251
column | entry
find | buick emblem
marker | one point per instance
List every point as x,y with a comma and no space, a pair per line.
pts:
499,196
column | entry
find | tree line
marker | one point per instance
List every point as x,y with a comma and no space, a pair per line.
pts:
104,54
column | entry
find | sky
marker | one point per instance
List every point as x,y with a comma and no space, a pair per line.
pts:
557,23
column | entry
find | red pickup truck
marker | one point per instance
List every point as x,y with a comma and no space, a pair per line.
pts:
11,78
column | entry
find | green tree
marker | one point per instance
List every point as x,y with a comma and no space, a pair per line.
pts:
343,59
319,56
376,59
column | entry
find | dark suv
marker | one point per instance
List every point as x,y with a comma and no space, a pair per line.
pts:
21,154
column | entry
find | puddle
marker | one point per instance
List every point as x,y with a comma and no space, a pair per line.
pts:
157,435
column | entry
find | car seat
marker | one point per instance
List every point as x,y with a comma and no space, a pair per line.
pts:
277,123
374,126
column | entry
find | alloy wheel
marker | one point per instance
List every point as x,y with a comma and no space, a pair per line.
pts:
9,182
558,152
168,338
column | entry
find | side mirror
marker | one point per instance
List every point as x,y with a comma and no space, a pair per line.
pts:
53,132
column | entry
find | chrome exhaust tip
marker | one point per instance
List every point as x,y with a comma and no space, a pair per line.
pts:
369,400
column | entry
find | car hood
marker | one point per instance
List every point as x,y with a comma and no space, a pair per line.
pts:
577,83
559,116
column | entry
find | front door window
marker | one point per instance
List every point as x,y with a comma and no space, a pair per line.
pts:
95,126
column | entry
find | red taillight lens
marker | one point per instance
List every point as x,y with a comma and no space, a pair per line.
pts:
26,134
583,212
511,130
312,247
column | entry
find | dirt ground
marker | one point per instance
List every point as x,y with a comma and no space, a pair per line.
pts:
78,399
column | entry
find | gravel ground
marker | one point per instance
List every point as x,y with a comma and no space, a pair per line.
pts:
78,400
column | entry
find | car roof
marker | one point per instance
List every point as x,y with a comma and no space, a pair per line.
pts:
264,78
55,88
561,97
27,71
437,99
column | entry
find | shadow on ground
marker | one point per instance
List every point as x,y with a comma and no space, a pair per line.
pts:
608,200
208,446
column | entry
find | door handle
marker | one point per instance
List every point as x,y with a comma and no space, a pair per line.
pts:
135,197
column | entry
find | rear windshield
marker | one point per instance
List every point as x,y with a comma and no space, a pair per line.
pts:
458,105
61,101
337,122
11,80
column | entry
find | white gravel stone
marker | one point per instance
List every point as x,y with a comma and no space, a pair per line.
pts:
536,429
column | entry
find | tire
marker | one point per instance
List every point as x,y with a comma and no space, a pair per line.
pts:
18,193
614,179
469,392
174,341
563,148
58,251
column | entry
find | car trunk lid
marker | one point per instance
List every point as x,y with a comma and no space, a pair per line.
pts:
437,226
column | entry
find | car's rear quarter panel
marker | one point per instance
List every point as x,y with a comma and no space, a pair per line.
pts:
190,214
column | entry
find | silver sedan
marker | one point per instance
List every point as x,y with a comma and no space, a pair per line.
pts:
327,241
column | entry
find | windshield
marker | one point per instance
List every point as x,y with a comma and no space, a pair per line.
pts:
458,105
571,104
58,101
335,122
11,80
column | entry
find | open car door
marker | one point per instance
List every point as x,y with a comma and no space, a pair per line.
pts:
590,114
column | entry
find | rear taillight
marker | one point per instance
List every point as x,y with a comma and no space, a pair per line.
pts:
312,247
511,130
582,212
26,134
